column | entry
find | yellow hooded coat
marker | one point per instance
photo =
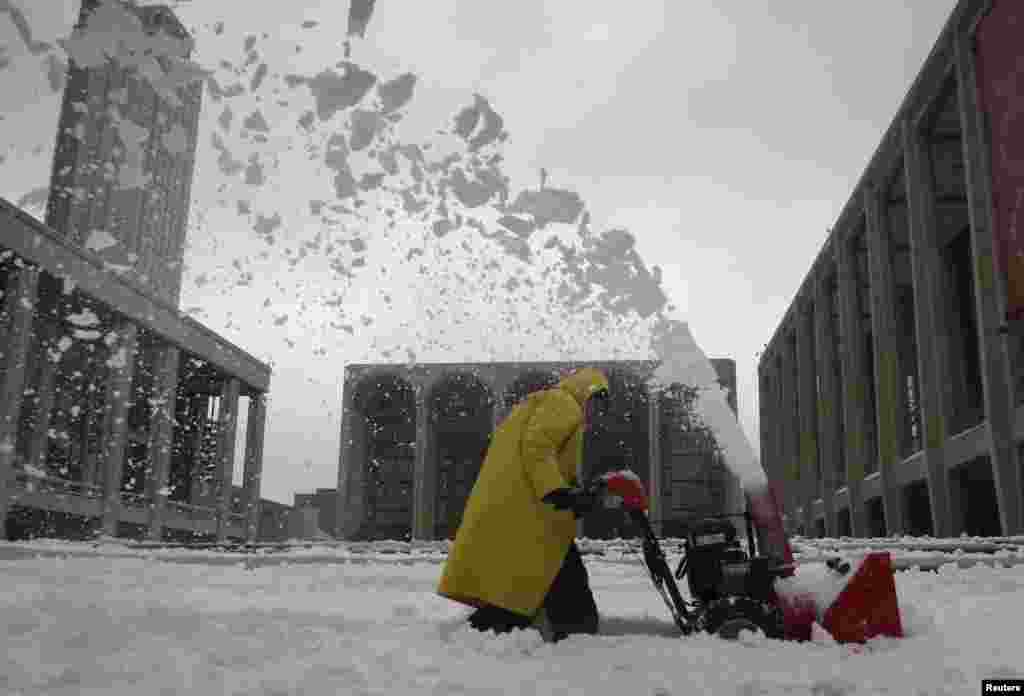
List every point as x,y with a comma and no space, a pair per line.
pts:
511,545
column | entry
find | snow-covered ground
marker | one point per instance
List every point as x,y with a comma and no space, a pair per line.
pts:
81,620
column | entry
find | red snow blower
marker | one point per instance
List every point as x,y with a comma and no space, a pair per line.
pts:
732,590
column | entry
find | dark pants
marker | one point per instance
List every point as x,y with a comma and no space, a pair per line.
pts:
569,604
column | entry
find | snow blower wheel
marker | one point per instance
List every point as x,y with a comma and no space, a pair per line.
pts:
726,618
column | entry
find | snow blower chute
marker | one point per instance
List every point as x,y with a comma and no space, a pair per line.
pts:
732,589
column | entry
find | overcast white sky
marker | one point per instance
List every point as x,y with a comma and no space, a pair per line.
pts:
725,137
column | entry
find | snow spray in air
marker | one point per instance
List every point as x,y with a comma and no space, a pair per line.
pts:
682,361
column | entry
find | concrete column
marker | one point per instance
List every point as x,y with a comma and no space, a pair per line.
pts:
497,416
807,384
423,500
932,338
887,336
654,456
226,453
854,366
829,401
199,406
777,473
38,446
996,368
18,308
790,426
115,423
254,431
501,384
764,412
161,435
776,452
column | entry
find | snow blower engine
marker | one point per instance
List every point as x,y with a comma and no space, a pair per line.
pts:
733,590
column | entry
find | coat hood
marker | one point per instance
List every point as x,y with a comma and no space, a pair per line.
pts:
583,382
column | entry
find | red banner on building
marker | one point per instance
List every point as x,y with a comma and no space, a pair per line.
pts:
1000,63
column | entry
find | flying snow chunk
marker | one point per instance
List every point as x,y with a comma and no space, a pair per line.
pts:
365,125
523,228
84,319
334,92
119,360
469,118
225,118
33,471
265,226
99,240
254,175
396,93
176,140
549,205
256,122
258,77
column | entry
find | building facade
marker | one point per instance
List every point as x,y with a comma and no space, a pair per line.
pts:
414,438
890,397
323,508
124,157
117,411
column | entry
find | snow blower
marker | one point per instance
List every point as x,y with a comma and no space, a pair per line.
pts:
732,589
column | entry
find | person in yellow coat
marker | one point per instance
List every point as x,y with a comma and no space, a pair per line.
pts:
514,551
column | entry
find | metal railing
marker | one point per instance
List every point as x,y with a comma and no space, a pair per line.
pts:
42,483
196,513
137,500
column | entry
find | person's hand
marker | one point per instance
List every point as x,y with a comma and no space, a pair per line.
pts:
580,501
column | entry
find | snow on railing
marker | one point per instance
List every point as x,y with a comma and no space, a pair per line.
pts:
138,500
35,481
196,513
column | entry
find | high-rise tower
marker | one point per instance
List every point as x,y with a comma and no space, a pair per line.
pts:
123,164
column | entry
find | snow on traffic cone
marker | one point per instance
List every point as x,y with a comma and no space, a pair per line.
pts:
867,606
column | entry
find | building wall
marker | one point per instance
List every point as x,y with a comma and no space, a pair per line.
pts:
273,525
130,425
324,503
413,440
80,438
889,399
113,127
